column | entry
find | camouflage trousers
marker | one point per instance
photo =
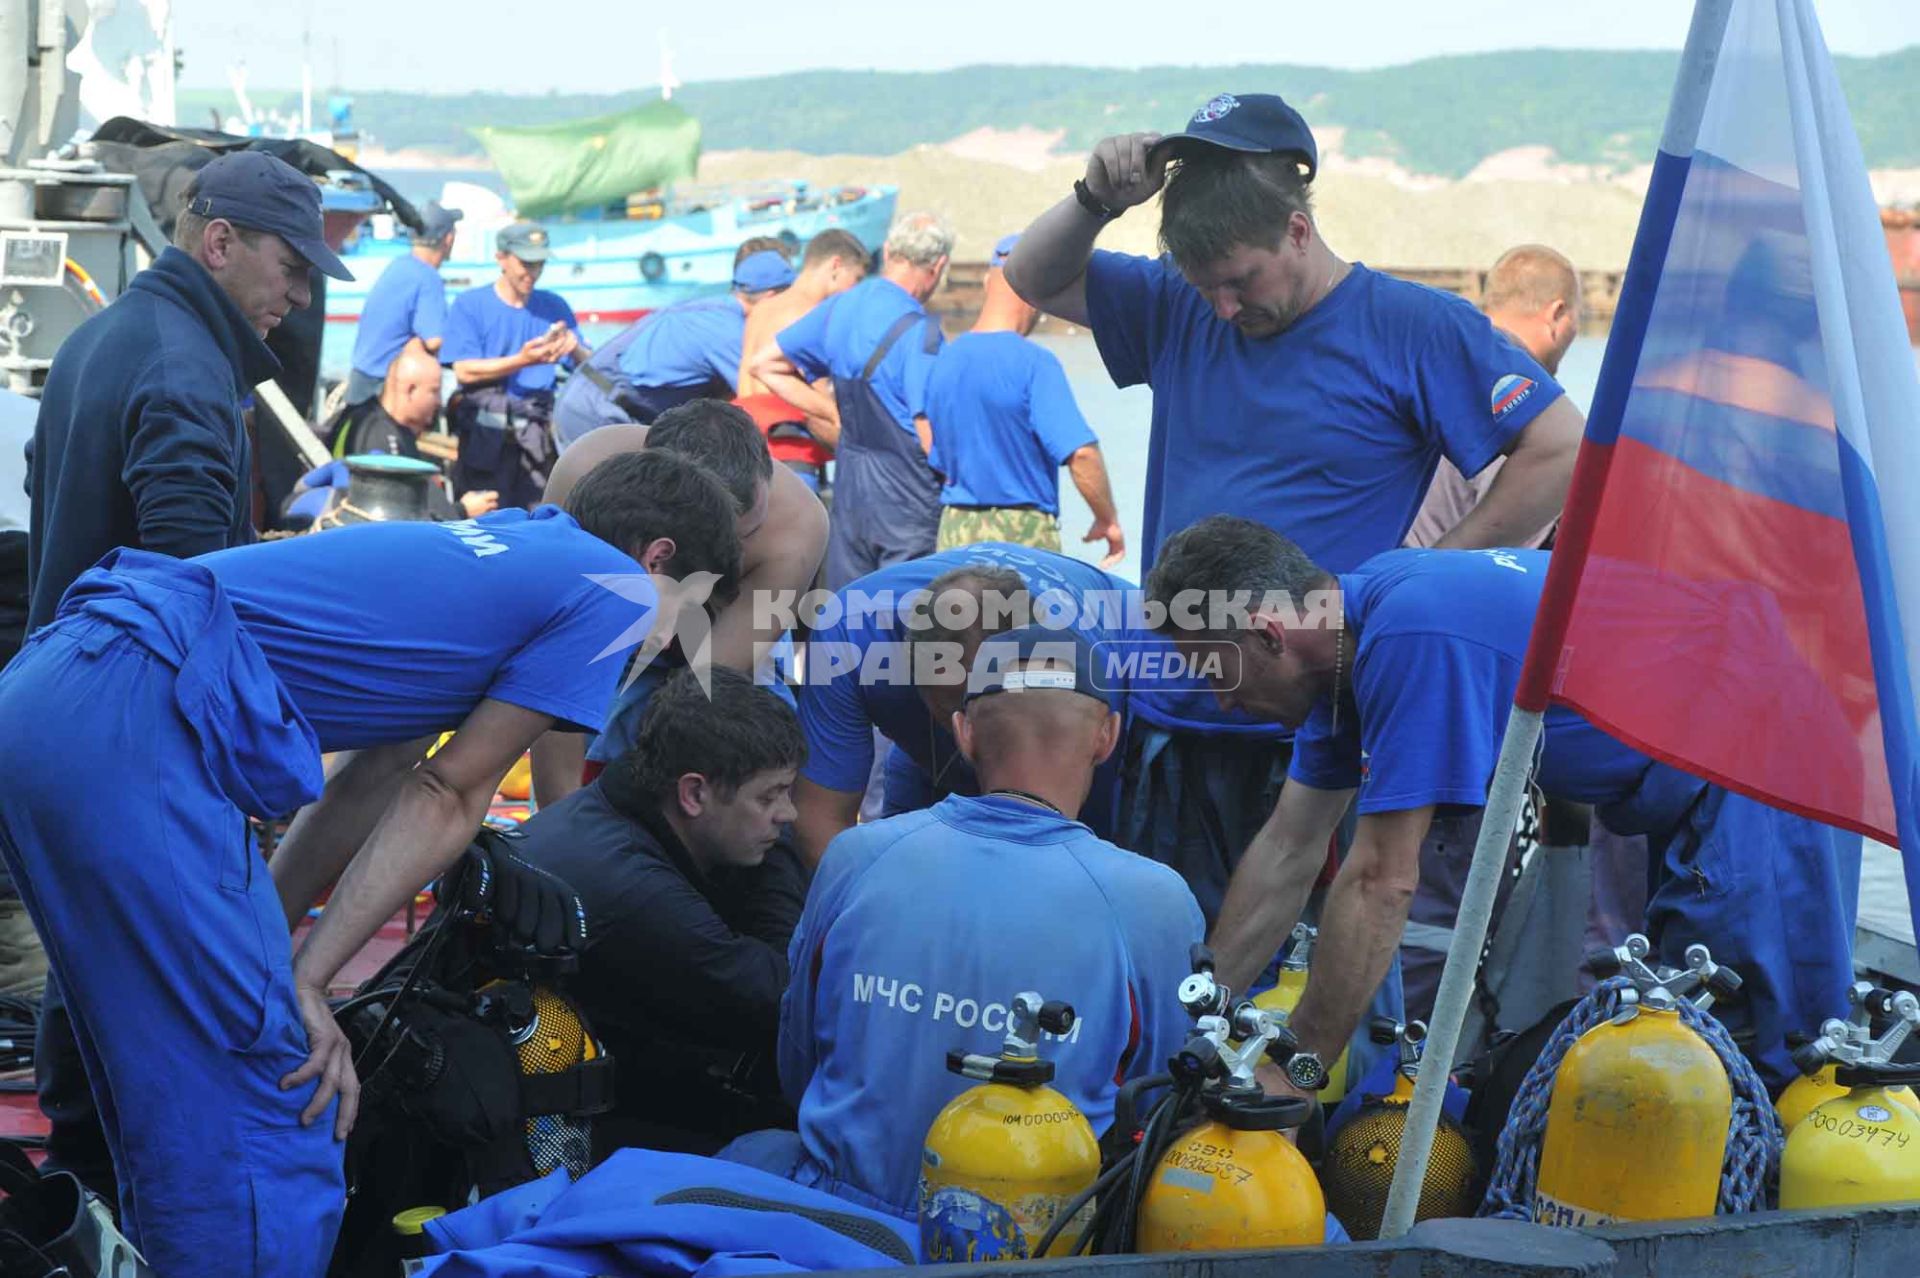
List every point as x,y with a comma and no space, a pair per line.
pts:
1021,525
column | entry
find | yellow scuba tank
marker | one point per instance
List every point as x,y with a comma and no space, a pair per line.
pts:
1285,996
1234,1182
1806,1094
1816,1084
1357,1172
1863,1147
1637,1125
548,1037
518,783
1003,1158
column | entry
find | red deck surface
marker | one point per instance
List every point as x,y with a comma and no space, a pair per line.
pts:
20,1112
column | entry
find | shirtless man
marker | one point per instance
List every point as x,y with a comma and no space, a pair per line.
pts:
783,533
833,263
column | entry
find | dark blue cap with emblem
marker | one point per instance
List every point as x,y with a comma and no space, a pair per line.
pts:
1034,658
1254,123
257,191
524,240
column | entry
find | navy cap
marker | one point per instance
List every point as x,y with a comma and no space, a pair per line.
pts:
436,222
257,191
1003,250
997,664
759,272
525,240
1257,123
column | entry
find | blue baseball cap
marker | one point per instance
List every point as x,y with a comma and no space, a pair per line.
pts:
759,272
524,240
1002,251
257,191
999,661
1255,123
436,222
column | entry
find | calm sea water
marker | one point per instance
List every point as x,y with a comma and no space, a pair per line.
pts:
1121,418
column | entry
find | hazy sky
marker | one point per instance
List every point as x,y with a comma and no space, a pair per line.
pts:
608,45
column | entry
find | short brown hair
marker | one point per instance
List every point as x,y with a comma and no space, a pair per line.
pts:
762,244
1005,602
1531,278
835,242
1218,201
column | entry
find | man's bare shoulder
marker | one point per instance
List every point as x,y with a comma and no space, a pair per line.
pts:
792,541
776,313
593,448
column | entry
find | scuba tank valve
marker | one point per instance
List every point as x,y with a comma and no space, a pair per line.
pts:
1860,1147
1285,996
1234,1181
1003,1159
1817,1059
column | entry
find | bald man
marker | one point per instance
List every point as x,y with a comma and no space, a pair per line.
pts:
783,532
1533,296
406,408
971,900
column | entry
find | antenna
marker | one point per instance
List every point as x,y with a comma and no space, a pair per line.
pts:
237,77
668,82
306,78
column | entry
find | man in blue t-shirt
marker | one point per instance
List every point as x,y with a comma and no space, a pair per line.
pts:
1400,676
889,655
688,351
877,342
408,303
210,688
1002,422
505,342
920,928
1289,386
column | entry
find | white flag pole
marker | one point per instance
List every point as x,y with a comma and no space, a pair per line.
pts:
1509,786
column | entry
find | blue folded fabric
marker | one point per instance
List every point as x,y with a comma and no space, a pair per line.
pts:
648,1213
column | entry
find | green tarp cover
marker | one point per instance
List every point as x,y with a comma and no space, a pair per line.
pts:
581,164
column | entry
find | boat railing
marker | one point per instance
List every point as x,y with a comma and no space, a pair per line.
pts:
750,200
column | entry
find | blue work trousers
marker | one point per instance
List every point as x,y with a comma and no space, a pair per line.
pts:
1771,895
171,947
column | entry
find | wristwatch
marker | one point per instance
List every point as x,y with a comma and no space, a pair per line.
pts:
1305,1071
1093,203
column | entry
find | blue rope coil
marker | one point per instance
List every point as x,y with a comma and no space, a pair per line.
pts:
1750,1176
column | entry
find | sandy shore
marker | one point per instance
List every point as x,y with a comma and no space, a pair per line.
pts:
1369,216
992,182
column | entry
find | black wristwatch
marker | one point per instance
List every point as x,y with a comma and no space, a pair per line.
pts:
1305,1072
1092,203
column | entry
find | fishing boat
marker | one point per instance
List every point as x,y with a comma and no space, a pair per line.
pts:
629,232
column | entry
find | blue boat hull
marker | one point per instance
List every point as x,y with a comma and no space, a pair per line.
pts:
613,271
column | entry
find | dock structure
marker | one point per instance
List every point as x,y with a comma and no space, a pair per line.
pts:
958,300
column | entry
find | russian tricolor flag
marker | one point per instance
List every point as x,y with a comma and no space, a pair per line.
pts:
1737,573
1736,588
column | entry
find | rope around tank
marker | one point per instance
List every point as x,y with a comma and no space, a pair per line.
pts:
1750,1176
